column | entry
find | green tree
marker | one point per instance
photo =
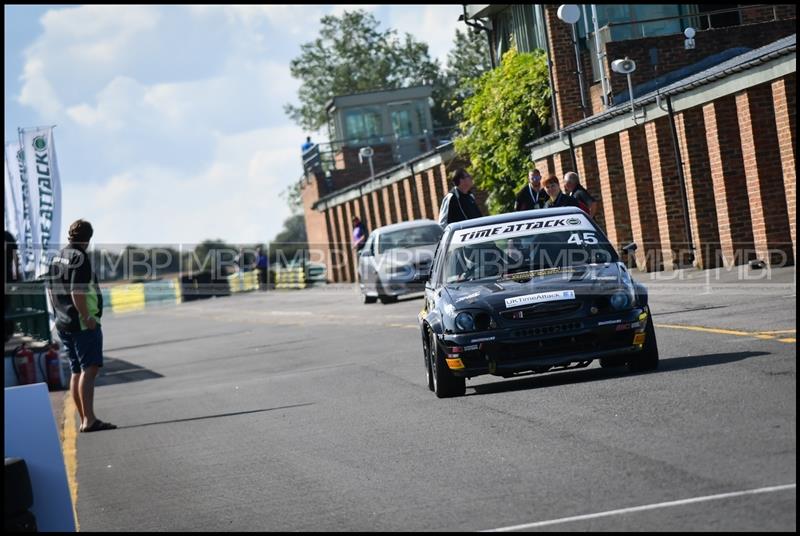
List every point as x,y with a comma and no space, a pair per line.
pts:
352,55
509,109
291,242
466,63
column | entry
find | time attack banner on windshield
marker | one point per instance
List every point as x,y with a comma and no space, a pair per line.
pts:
477,235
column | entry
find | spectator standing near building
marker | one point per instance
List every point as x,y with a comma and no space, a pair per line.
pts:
359,234
307,145
574,189
459,204
532,196
78,305
262,264
556,198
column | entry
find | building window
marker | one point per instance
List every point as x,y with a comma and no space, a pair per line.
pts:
401,123
362,124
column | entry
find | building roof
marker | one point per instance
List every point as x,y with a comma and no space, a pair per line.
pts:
379,96
742,62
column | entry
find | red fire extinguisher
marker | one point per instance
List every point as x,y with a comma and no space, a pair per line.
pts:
53,367
25,366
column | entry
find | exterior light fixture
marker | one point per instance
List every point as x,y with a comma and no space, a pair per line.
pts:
626,66
368,153
688,43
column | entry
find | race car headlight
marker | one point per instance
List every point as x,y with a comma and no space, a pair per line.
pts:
465,322
620,300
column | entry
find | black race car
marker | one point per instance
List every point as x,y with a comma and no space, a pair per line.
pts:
529,292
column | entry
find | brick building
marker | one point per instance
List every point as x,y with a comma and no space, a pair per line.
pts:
701,171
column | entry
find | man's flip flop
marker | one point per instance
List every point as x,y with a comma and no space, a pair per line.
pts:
98,425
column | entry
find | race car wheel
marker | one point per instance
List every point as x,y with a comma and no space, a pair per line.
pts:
383,297
445,385
368,299
425,354
647,359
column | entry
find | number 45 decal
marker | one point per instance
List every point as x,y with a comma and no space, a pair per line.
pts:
588,238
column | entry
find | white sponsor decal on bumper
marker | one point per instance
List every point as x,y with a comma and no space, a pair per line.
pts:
541,297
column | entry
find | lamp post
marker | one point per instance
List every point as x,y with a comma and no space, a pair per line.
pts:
368,153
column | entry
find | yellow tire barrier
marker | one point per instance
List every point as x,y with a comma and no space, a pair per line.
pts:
126,298
243,281
290,278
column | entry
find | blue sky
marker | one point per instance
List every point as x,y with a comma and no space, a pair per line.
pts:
170,122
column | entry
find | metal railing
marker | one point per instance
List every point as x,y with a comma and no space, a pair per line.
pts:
322,156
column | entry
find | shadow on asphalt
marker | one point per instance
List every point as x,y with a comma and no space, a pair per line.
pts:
232,414
597,374
115,371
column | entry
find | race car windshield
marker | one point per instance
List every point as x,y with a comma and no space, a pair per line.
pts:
494,252
409,238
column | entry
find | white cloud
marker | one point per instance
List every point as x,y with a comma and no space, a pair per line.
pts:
37,91
235,197
171,126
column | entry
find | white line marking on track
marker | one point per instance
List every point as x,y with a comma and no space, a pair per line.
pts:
643,508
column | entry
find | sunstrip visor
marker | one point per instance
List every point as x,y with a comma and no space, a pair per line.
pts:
534,226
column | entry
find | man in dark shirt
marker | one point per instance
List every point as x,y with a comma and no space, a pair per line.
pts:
574,189
532,196
459,204
78,305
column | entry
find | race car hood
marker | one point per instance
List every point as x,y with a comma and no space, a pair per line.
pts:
585,282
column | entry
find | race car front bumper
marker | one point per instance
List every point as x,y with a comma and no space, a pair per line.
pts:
538,348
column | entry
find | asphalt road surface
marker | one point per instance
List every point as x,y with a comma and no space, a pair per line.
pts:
308,411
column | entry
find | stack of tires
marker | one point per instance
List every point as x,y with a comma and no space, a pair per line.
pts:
17,516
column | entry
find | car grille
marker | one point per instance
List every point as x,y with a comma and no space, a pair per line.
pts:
556,346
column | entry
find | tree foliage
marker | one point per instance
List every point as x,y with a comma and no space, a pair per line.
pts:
291,243
509,109
467,61
352,55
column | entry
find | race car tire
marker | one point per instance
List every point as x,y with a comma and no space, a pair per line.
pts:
445,385
368,299
384,298
647,359
428,373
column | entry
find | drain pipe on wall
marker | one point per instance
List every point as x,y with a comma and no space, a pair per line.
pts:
554,106
681,179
